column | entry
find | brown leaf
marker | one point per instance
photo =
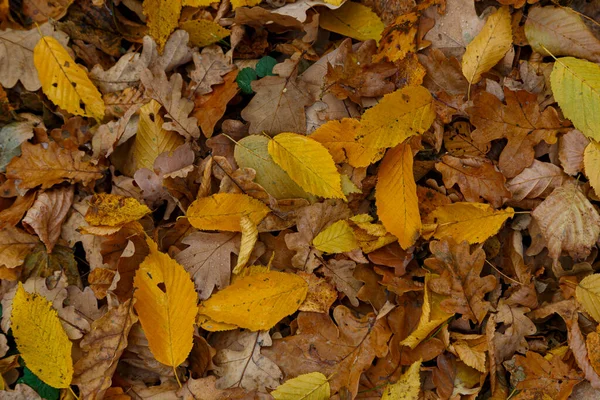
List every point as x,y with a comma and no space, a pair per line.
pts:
47,165
343,351
321,294
208,259
460,278
216,101
517,327
477,178
520,121
443,74
14,246
568,222
47,214
278,105
536,181
12,215
206,389
341,273
570,151
102,349
211,64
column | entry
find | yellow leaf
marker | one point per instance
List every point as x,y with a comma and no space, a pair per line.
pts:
576,88
336,238
244,3
399,115
398,38
64,82
257,302
223,211
470,356
166,304
432,315
114,210
407,387
208,324
198,3
473,222
312,386
591,164
588,294
249,238
41,339
163,16
339,137
308,163
151,139
396,195
353,20
204,32
489,46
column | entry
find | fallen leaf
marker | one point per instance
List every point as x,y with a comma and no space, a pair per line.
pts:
588,295
204,32
321,294
15,244
571,147
341,273
396,195
308,163
223,211
256,302
353,20
48,165
163,16
11,137
536,181
248,240
210,66
166,305
408,386
311,386
336,238
114,210
32,316
216,101
568,222
489,46
513,338
64,81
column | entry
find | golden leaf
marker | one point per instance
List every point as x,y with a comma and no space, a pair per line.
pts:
48,165
210,325
249,238
339,137
151,139
257,302
244,3
312,386
163,16
407,387
204,32
336,238
41,339
308,163
166,305
223,211
15,245
353,20
399,115
576,88
396,196
64,82
588,294
591,164
114,210
489,46
473,222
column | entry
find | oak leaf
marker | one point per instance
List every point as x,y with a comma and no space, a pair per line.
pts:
166,305
205,388
517,326
568,222
321,294
47,214
48,165
257,302
342,353
102,349
216,102
341,273
396,195
460,279
210,67
477,178
520,121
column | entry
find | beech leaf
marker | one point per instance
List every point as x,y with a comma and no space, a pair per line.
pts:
223,211
312,386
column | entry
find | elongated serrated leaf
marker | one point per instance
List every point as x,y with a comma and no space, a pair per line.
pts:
489,46
166,305
308,163
591,164
576,88
257,302
312,386
223,211
336,238
588,294
407,387
151,139
204,32
399,115
353,20
249,238
396,195
163,16
41,339
65,82
473,222
252,152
